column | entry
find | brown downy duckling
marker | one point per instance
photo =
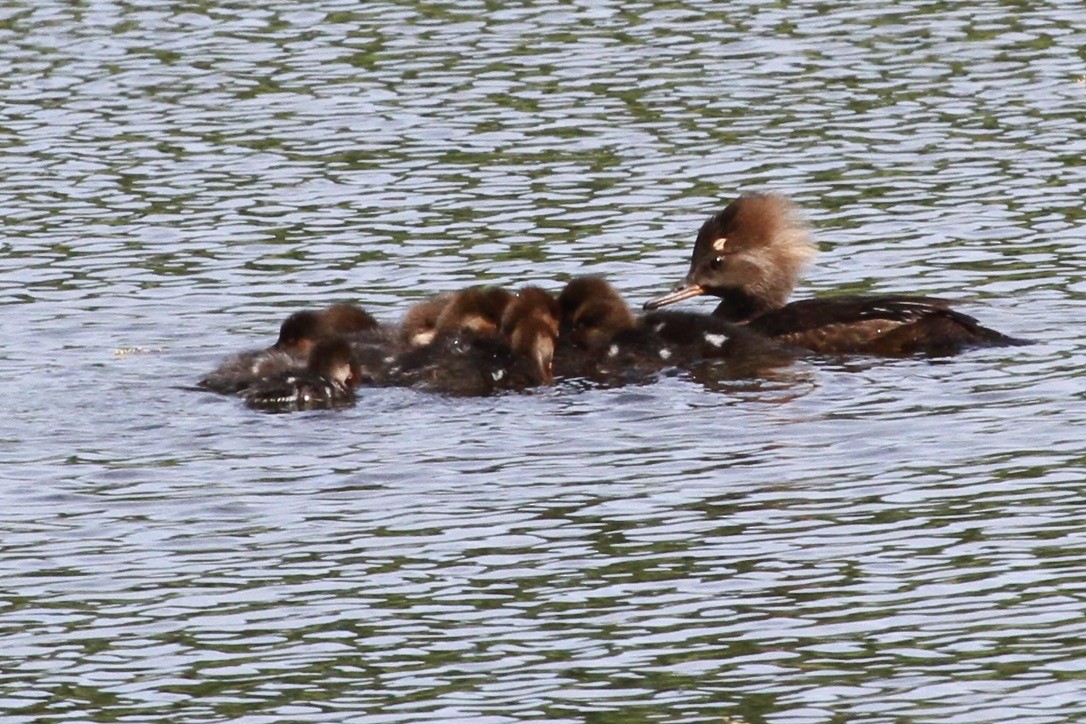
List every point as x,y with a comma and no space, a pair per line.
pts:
343,318
592,313
751,254
479,309
298,334
470,357
419,325
530,326
327,381
608,338
476,308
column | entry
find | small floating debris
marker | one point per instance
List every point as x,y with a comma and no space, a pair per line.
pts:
129,351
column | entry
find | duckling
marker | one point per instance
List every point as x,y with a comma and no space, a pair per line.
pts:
419,325
327,381
613,342
592,313
298,334
472,357
477,308
343,318
530,326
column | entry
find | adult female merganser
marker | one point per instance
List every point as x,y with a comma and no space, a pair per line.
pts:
751,254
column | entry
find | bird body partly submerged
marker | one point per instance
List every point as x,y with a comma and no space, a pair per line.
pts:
327,381
751,254
298,335
601,338
485,340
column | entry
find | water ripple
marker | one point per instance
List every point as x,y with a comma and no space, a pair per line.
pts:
847,539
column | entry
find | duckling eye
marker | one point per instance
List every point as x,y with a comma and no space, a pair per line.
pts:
716,263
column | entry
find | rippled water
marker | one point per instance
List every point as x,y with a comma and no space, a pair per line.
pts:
857,540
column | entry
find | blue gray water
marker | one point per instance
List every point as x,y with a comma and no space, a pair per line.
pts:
844,540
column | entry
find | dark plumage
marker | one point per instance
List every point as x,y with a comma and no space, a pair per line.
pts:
472,354
751,254
465,364
601,337
327,381
298,334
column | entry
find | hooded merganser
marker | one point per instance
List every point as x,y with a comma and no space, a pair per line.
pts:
419,325
477,308
602,336
530,327
344,318
471,357
328,380
298,334
751,254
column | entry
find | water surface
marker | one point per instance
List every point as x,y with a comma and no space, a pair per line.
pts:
844,540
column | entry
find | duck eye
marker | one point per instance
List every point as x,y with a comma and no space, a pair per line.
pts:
716,263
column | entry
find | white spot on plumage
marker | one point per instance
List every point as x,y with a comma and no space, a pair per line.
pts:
720,243
665,353
612,351
717,340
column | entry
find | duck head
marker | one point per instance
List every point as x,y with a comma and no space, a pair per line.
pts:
478,309
299,333
530,325
592,313
332,359
345,318
751,253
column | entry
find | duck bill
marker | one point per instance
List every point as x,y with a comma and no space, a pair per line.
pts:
687,292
